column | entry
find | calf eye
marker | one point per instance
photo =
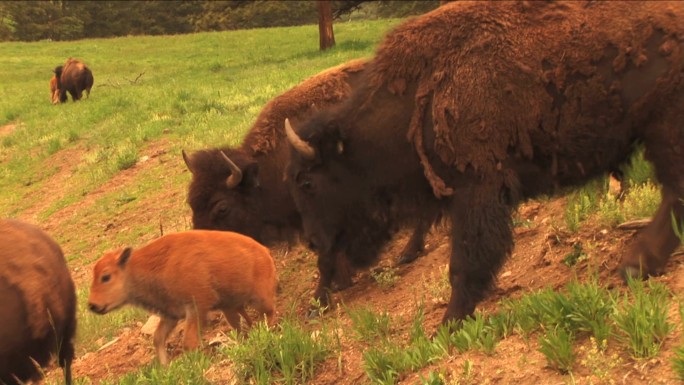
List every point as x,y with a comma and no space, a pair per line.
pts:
105,278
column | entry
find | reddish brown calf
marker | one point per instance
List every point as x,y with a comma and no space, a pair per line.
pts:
185,275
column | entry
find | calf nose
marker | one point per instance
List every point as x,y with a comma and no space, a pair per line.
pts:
93,308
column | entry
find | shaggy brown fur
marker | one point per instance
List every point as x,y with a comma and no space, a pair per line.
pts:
499,101
260,206
38,302
74,77
185,275
480,55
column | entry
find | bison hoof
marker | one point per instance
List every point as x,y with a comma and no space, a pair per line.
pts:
634,273
408,257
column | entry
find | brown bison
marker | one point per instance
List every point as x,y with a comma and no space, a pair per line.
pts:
478,106
73,77
242,189
38,304
184,276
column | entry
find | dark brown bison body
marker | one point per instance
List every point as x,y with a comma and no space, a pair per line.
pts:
38,304
73,77
479,105
242,189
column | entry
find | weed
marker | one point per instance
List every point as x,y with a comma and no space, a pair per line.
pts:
641,201
610,211
576,255
582,204
369,326
286,354
386,278
438,286
642,321
598,362
189,368
678,362
556,346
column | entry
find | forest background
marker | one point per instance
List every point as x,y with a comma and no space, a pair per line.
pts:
72,20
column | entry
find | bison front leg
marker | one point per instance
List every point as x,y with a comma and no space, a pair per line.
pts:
481,241
326,270
164,328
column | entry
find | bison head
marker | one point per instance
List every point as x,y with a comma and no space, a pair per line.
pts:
341,211
226,194
108,290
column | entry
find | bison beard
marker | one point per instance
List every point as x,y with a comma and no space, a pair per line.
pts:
485,104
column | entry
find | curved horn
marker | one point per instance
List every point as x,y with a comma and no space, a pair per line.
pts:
235,173
187,162
300,145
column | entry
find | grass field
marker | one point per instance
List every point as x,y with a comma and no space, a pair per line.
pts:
66,168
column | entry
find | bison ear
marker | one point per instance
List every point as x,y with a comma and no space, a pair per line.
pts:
251,175
123,258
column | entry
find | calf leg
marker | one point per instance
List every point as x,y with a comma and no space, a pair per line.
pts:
164,328
481,240
195,317
343,273
233,318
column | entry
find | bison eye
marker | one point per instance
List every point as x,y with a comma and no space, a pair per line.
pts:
105,278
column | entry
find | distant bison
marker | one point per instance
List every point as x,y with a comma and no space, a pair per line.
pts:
243,189
479,105
184,276
73,77
38,304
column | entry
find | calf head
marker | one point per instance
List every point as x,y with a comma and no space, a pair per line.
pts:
108,292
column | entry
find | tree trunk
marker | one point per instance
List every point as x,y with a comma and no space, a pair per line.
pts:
325,24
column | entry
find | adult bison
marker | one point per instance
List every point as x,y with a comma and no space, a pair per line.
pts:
480,105
242,189
73,77
38,304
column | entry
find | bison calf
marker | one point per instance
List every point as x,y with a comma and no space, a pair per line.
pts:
38,304
185,275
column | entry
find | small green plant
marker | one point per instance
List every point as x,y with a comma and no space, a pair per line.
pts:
285,354
556,346
369,326
576,255
599,363
189,368
54,145
434,378
642,319
678,362
639,170
386,278
610,211
438,286
126,158
582,204
641,201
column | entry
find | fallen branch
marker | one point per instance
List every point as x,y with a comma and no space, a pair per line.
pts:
136,79
635,224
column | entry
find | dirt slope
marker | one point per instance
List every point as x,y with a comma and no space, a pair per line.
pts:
537,262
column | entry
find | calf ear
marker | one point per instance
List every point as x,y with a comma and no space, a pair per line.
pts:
123,258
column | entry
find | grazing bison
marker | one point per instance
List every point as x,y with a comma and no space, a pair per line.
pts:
54,89
38,304
185,275
242,189
74,77
480,105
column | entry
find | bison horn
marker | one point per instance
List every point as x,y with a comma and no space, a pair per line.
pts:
187,162
235,173
300,145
